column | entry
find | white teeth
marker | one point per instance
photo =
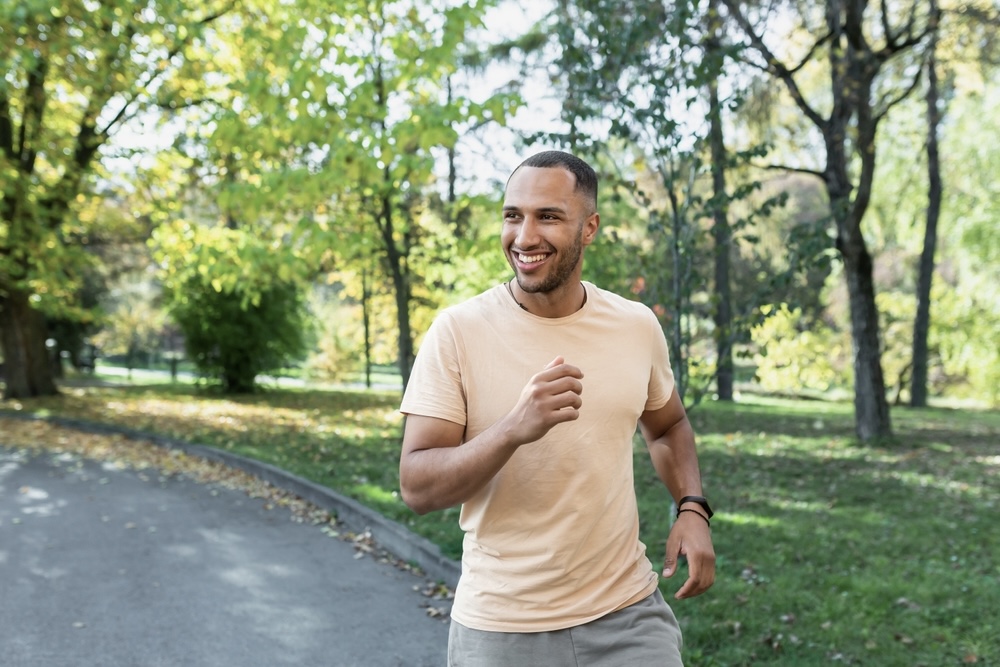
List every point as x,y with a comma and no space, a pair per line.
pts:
530,259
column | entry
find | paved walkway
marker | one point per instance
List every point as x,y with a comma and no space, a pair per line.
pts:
108,567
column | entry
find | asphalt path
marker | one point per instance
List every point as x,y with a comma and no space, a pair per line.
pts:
101,566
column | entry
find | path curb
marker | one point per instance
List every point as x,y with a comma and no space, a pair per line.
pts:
390,535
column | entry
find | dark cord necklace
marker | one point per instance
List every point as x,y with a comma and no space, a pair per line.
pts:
511,292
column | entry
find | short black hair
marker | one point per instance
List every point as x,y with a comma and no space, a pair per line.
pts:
586,177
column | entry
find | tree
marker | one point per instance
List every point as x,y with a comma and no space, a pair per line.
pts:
970,33
74,72
721,229
845,34
922,320
134,326
643,77
236,297
331,133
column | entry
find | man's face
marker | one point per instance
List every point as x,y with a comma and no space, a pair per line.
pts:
546,225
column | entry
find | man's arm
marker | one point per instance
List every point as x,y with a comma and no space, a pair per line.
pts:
437,470
670,440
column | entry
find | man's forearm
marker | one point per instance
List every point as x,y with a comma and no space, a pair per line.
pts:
675,459
440,477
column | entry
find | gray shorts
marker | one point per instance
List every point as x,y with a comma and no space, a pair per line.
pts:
645,633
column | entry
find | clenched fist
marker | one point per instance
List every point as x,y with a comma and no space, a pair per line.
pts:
551,397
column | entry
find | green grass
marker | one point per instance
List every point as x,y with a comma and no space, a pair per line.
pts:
829,552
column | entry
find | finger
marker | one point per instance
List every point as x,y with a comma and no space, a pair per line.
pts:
670,560
564,369
564,385
695,585
565,415
688,590
691,584
701,575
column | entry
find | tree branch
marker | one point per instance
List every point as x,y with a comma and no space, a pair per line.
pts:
812,51
34,113
774,66
893,43
884,20
854,25
124,113
6,124
893,101
786,168
891,39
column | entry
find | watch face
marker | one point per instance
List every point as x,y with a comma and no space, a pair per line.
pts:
704,504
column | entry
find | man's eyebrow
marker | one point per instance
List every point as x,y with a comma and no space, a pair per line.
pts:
543,209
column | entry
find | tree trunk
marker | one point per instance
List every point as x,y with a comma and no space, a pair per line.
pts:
721,234
922,322
366,321
27,366
871,407
396,259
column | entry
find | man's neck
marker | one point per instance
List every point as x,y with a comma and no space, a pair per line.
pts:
560,302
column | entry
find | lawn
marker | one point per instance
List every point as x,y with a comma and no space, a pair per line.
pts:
829,552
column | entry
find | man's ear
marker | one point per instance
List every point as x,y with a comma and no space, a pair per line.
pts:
590,227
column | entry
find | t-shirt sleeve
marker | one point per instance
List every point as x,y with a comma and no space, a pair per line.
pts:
661,375
435,388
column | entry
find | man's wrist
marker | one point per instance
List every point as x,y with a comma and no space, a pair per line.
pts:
692,501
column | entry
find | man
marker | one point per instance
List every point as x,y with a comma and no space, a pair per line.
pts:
521,407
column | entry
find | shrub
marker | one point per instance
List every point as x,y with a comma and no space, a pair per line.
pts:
233,339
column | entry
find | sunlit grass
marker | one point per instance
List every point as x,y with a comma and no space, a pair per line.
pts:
829,551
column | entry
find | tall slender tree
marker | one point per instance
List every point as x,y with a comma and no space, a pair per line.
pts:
845,35
651,76
721,229
925,274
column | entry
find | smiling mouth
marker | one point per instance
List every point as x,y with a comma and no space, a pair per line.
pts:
530,259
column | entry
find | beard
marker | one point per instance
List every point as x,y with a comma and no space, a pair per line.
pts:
559,274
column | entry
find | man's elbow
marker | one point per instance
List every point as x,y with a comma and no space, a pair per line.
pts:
419,503
417,494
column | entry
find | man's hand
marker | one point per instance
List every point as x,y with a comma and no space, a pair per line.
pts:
691,538
551,397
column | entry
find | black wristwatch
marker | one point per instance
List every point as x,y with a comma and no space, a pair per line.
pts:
700,500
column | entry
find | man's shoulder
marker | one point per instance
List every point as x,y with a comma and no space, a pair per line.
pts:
485,302
618,305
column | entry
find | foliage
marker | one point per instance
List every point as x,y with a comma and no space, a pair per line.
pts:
638,85
794,356
237,299
134,326
341,345
235,342
74,72
822,541
339,158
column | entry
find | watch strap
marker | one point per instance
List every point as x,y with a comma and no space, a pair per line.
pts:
699,500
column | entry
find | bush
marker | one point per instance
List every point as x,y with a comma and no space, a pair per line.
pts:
233,339
792,357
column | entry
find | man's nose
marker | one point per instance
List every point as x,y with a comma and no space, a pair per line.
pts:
527,233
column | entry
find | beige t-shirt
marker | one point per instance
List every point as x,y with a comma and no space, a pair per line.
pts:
553,540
